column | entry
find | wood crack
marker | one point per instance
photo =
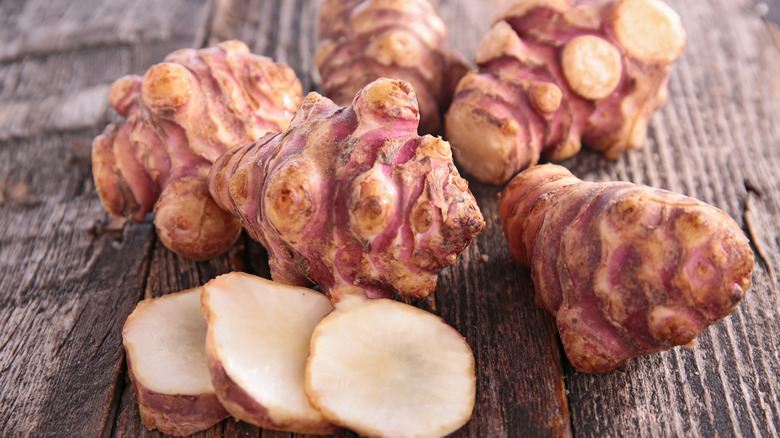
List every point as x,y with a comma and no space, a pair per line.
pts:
753,194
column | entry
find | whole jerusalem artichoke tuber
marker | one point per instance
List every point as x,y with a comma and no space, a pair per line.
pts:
352,198
627,270
181,116
553,74
363,40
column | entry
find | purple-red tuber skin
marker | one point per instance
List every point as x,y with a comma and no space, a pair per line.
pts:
180,117
178,415
351,198
364,40
627,270
556,74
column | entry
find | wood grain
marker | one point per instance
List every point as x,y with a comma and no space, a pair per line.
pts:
716,139
69,274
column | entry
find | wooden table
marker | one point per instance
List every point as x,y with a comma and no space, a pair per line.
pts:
70,273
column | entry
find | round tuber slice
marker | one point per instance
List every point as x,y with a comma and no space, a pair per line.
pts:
165,342
257,345
387,369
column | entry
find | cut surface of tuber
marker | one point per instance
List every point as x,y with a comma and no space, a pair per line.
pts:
384,368
165,342
257,345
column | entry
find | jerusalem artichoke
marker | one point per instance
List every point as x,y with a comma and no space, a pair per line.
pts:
165,341
181,116
352,198
553,73
388,369
257,346
363,40
627,270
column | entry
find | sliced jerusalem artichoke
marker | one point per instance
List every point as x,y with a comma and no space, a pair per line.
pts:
164,339
257,345
387,369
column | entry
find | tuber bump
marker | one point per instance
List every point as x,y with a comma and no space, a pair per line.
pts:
388,369
257,346
180,117
627,270
352,198
363,40
165,341
555,73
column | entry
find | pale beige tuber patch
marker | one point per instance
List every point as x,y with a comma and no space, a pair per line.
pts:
592,66
649,30
545,97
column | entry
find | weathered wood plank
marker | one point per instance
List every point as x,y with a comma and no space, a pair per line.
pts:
64,297
68,278
716,139
40,27
69,274
489,299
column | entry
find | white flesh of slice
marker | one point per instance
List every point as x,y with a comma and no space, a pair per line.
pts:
259,333
165,339
384,368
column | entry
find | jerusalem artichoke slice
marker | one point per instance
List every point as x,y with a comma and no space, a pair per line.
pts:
387,369
364,40
627,270
180,117
556,74
352,198
257,345
165,340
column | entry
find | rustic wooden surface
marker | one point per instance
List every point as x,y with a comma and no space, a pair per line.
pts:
70,273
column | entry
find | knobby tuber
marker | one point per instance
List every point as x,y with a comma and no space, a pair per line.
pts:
387,369
627,270
165,341
364,40
180,117
352,198
257,346
555,73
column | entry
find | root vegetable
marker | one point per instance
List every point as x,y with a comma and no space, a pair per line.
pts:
180,117
387,369
257,345
364,40
553,74
352,198
627,270
165,342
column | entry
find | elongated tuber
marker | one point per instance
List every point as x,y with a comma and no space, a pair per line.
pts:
554,74
627,270
165,341
257,346
180,117
364,40
352,198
